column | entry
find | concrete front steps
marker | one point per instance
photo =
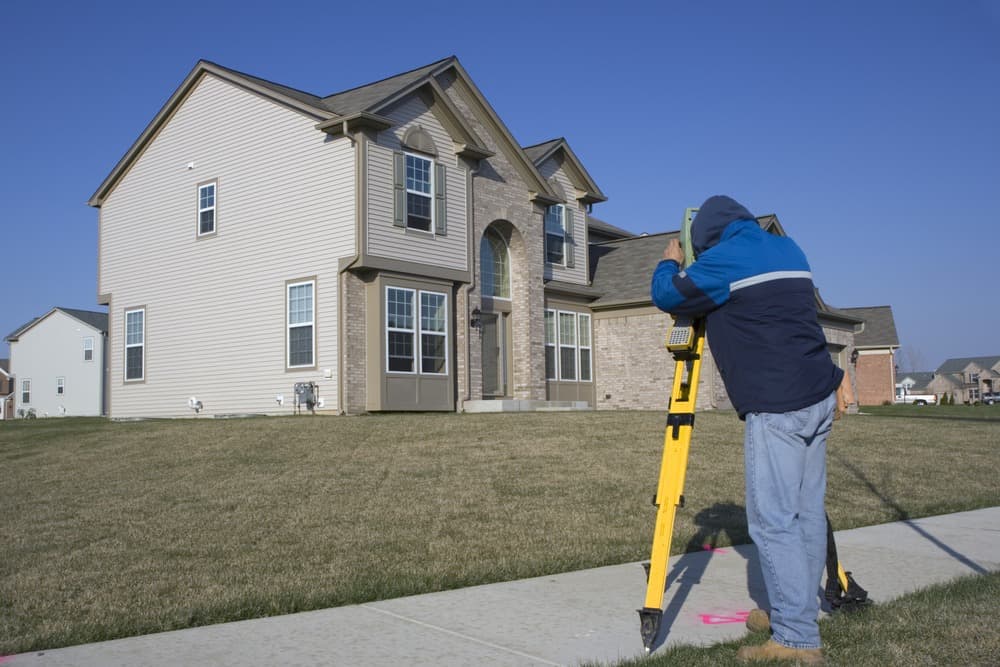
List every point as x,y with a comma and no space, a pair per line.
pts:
517,405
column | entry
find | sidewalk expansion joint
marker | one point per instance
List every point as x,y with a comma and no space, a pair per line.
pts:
460,635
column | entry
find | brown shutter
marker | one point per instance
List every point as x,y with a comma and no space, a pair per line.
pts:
570,244
399,189
440,201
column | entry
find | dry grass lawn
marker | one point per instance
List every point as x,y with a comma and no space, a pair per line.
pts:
115,529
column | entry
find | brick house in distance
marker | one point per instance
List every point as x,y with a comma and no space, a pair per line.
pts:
391,244
876,341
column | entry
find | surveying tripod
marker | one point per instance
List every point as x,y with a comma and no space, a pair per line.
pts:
686,342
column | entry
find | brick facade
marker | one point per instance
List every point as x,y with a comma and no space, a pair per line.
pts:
875,378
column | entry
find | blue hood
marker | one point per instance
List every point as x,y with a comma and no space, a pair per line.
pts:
712,218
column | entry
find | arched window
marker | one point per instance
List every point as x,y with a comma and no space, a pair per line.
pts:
495,265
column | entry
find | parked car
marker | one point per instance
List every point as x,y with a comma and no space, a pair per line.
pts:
904,397
991,397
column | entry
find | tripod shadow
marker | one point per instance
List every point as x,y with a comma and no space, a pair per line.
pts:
903,516
719,527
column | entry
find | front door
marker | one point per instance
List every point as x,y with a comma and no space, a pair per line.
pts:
496,345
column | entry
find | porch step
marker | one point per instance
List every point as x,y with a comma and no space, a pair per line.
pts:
523,406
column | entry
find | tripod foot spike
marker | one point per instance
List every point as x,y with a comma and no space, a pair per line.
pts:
649,626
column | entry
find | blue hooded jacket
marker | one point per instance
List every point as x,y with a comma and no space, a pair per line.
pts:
756,291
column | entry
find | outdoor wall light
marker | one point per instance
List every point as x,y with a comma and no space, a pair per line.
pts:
854,357
476,320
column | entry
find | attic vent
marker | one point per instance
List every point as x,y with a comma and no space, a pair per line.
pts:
419,139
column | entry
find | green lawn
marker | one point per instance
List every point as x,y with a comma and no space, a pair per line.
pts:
115,529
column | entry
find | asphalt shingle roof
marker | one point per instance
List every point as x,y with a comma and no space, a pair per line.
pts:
879,326
538,150
607,229
621,270
959,364
920,378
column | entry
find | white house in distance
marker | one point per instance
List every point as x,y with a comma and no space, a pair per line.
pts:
58,360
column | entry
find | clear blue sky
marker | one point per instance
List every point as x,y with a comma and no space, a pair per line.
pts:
869,127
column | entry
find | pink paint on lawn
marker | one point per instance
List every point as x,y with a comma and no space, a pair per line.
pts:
709,547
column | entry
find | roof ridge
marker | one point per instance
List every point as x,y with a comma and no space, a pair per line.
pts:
387,78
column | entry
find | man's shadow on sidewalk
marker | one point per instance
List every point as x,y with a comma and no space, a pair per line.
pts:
713,523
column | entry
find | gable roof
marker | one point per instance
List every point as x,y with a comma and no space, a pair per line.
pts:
539,153
93,319
5,367
920,378
878,328
357,106
959,364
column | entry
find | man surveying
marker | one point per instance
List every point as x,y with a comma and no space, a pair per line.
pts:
754,292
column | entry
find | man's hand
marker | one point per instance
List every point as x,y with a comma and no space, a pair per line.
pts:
674,251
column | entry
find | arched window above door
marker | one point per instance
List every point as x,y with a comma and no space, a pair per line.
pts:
494,262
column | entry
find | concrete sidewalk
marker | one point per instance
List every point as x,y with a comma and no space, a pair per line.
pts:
566,619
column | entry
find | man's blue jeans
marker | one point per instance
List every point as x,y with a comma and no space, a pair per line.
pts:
785,456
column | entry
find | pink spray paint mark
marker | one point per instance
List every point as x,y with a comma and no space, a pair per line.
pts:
720,619
709,547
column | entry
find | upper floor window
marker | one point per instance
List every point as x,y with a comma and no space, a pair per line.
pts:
419,193
135,344
60,386
494,265
973,378
88,348
206,208
301,324
555,234
26,391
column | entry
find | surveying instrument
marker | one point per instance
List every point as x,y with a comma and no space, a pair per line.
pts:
686,341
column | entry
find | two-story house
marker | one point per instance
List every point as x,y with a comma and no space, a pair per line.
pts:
876,342
392,244
967,378
58,359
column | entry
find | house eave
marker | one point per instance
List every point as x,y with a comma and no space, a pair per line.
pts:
363,120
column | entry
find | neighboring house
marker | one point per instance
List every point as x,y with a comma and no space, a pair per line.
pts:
966,378
59,363
876,342
6,390
391,244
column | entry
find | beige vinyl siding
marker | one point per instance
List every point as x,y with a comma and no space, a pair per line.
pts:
384,239
551,169
215,306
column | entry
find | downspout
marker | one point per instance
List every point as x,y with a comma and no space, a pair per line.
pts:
470,224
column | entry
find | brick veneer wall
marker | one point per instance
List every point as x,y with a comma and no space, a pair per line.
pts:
874,374
634,370
501,197
353,357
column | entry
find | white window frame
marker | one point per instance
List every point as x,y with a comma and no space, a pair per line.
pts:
561,208
26,389
60,386
429,195
580,347
417,331
562,346
430,332
412,330
555,373
88,346
213,208
289,325
553,344
133,345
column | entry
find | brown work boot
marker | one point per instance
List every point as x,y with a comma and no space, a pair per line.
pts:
758,621
772,650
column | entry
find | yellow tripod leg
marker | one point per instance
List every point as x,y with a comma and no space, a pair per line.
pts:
670,488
